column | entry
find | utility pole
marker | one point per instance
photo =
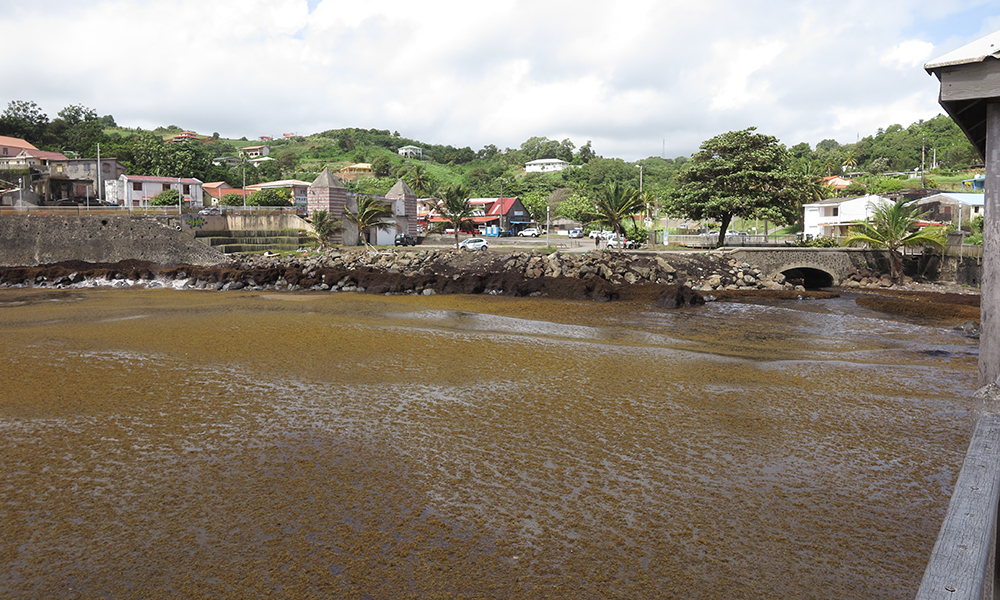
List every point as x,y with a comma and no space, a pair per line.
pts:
923,162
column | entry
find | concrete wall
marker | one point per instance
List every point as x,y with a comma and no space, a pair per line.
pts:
29,240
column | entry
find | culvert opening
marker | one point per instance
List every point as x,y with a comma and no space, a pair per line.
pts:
811,279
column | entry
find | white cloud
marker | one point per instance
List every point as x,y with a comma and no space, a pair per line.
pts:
907,55
627,75
735,63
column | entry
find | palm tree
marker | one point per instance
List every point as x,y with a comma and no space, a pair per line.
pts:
455,208
850,161
893,226
325,226
370,213
615,203
419,179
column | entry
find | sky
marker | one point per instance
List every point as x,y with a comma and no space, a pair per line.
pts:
636,78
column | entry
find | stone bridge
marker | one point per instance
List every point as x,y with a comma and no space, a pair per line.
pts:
817,267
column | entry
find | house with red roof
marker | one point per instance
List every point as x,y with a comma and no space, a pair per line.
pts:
11,146
217,189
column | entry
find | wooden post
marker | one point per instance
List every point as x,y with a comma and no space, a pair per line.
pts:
963,562
989,340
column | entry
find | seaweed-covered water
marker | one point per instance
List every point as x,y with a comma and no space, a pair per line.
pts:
196,444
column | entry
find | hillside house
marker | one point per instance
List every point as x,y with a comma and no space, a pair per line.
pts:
355,171
410,152
545,165
256,151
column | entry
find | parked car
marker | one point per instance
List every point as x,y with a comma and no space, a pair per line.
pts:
473,244
576,233
405,239
212,210
529,232
616,242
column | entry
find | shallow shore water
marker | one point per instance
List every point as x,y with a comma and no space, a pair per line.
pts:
200,444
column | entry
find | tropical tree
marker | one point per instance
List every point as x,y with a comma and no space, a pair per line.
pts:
455,208
893,226
420,180
270,197
615,203
325,226
370,212
169,197
738,174
232,200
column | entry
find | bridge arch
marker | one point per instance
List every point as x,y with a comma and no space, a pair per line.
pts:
809,276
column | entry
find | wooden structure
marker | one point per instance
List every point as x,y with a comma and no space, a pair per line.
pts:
963,563
970,93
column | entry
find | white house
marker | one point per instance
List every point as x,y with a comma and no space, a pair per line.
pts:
410,152
256,151
137,190
834,216
545,165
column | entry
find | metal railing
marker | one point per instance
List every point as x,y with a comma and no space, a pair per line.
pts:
963,563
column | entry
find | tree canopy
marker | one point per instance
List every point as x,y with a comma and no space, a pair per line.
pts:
738,174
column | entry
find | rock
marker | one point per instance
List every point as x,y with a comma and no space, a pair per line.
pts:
676,296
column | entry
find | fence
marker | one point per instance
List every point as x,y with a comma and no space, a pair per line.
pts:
963,563
64,211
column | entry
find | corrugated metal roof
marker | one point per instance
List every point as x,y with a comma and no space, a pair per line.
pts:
977,51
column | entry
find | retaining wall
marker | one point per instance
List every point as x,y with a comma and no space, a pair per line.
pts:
29,240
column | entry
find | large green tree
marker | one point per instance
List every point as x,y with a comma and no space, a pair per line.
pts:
25,120
892,226
738,174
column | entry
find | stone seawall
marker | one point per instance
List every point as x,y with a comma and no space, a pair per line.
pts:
30,240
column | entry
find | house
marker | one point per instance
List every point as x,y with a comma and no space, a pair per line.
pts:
216,190
298,190
951,207
834,216
837,182
46,174
229,161
137,190
88,178
10,146
545,165
410,152
255,151
186,136
513,215
355,171
404,213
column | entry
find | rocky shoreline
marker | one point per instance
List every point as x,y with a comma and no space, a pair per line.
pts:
669,279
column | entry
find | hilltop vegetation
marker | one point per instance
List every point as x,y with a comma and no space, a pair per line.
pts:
77,130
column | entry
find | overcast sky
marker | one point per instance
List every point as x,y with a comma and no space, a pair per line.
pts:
637,78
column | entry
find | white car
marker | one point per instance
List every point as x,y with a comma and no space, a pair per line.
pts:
616,242
529,232
473,244
576,233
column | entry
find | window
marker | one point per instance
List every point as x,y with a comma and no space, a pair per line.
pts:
86,167
107,168
187,189
166,186
136,186
836,211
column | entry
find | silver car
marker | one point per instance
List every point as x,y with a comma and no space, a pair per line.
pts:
473,244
